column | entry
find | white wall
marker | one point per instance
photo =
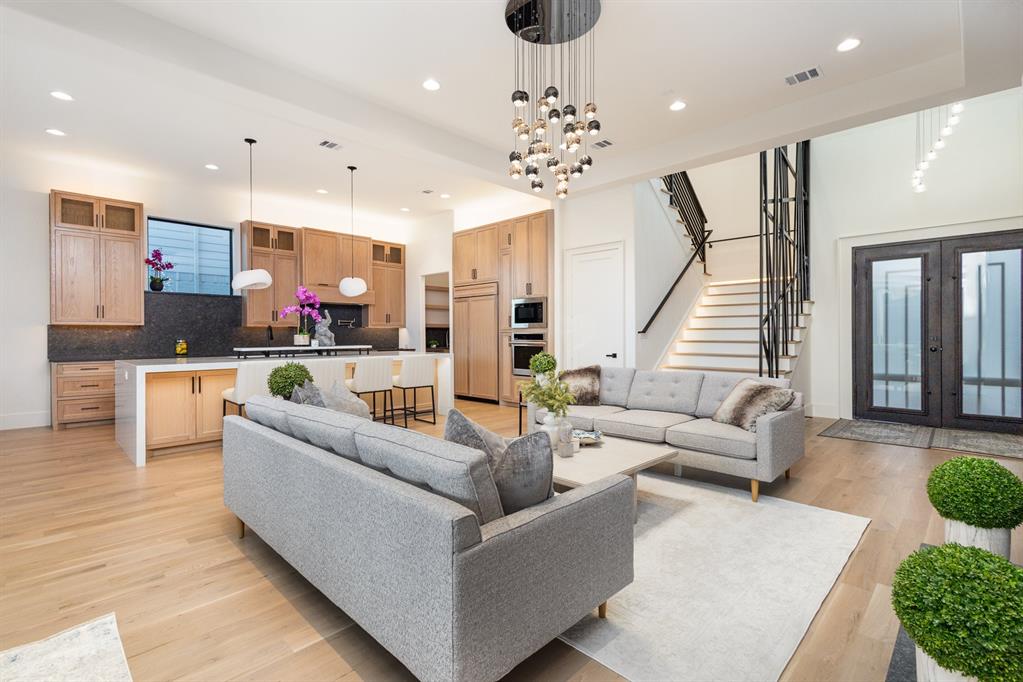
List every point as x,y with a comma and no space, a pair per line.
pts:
24,250
428,253
860,195
495,209
729,194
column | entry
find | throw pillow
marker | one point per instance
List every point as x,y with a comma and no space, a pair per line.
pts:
307,394
523,468
584,384
749,400
340,399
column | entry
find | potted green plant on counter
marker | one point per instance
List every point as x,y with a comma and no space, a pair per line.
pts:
980,500
552,394
284,378
963,608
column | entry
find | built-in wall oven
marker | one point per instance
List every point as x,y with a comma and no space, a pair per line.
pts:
529,313
524,345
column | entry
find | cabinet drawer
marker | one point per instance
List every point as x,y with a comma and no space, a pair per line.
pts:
82,386
83,369
488,289
86,409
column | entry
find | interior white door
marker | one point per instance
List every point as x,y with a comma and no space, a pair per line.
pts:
595,306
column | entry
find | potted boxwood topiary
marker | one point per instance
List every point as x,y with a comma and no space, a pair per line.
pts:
284,378
963,608
980,500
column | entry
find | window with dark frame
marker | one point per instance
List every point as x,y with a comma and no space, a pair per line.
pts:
201,254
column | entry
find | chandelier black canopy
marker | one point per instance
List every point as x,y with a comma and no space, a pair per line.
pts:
553,99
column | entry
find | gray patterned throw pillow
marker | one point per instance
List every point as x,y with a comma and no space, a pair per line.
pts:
340,399
523,468
307,394
749,400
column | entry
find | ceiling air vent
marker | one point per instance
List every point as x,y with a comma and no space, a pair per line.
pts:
803,76
603,144
329,144
427,191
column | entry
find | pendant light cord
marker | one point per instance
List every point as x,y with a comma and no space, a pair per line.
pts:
352,219
249,141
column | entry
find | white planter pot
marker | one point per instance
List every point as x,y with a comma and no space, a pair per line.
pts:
301,339
559,430
994,540
928,670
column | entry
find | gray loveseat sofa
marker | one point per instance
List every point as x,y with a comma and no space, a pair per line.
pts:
675,407
406,534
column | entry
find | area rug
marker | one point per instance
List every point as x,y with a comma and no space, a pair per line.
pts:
906,435
90,651
1002,444
724,588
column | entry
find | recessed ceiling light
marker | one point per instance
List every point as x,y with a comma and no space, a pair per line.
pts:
445,196
431,84
321,191
212,166
404,210
677,105
63,96
54,131
848,44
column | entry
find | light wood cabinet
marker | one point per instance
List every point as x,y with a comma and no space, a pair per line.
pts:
475,255
388,309
96,271
357,259
276,249
504,236
272,238
321,255
475,338
81,393
460,345
531,261
389,253
509,385
504,288
185,407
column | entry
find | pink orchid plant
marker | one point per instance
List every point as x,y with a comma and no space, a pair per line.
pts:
307,308
158,266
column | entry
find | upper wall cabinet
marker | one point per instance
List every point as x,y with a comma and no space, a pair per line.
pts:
96,252
389,254
273,238
328,257
276,249
531,242
475,256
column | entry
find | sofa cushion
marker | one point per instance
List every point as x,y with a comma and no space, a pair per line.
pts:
523,468
270,412
326,429
614,385
640,424
750,400
665,391
448,469
708,435
583,416
583,384
717,386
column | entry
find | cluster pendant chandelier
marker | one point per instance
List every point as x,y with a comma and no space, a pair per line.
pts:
933,128
555,109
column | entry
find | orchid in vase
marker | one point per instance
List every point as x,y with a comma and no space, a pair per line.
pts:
306,310
158,266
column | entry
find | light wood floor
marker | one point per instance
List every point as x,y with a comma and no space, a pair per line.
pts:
84,533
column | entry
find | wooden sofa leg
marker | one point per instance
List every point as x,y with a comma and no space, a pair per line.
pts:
788,473
241,527
754,486
602,610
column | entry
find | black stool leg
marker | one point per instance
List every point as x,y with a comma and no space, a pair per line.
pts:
404,404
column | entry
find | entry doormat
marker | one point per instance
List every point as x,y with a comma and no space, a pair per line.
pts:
909,435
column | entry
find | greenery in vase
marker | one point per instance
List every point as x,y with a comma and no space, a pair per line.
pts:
284,378
979,492
542,363
964,607
549,392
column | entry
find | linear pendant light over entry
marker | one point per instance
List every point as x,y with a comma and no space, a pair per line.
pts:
352,286
258,278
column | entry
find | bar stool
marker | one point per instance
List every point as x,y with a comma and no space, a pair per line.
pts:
415,373
373,375
249,379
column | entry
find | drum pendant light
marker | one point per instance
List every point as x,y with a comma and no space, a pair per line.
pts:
352,286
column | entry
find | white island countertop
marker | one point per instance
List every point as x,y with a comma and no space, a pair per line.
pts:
130,385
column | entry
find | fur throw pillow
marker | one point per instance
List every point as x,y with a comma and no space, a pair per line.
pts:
523,468
751,399
584,384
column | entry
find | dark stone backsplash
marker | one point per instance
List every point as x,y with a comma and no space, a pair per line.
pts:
212,325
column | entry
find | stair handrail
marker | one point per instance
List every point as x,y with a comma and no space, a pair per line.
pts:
697,249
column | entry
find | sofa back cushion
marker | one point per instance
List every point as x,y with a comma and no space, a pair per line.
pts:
614,385
665,391
447,469
718,385
325,428
271,412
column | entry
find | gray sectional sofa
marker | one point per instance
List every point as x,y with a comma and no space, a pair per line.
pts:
407,535
675,407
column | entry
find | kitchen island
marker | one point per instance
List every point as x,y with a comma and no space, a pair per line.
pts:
130,383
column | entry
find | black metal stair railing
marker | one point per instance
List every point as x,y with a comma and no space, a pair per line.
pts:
784,252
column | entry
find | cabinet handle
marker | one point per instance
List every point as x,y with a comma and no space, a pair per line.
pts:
509,239
103,311
85,409
97,220
89,386
193,384
509,325
200,383
97,312
88,369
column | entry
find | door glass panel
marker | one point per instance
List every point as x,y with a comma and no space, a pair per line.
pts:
120,218
77,212
897,333
991,349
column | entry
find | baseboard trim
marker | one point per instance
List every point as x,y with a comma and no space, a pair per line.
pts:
24,420
822,410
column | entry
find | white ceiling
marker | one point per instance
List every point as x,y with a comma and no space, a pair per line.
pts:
204,74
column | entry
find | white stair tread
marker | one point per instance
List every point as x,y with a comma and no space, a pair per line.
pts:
740,370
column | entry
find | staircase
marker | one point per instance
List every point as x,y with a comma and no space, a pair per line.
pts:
722,332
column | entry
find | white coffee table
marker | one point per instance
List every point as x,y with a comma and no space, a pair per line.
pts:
612,456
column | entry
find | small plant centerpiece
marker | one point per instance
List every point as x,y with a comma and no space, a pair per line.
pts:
308,308
284,378
980,500
157,266
550,393
963,608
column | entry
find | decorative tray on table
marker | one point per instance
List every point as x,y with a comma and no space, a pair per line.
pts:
587,437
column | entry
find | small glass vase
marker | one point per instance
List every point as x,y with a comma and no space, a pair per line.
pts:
301,339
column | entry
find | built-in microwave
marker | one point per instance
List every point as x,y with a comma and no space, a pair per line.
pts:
523,347
528,313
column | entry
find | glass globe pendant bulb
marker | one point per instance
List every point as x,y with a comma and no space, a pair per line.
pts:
593,126
932,155
940,144
947,130
561,194
515,171
519,98
590,110
515,156
543,105
956,108
561,171
551,94
576,170
918,173
915,181
568,113
554,116
532,170
923,165
920,188
352,286
562,186
537,185
579,127
540,127
552,164
523,132
953,120
517,122
585,161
